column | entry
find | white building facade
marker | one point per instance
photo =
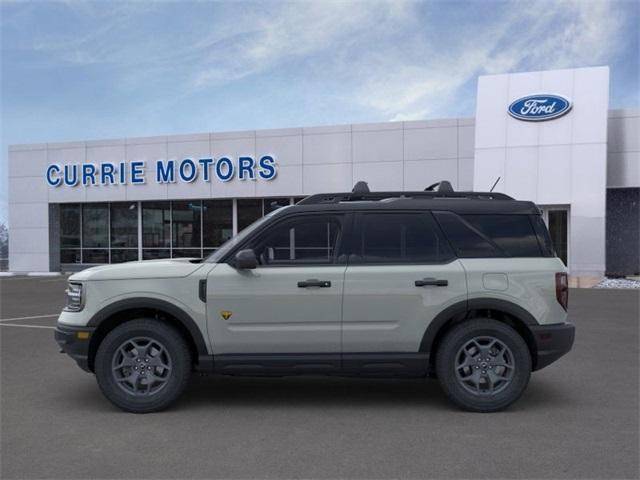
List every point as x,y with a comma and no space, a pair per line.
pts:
77,204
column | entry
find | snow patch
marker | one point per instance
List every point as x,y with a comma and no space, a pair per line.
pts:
618,283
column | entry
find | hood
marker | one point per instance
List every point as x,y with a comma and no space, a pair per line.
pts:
165,268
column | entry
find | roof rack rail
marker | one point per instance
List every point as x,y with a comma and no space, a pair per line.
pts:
443,186
361,187
361,193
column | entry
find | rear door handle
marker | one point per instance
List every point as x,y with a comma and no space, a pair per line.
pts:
314,283
427,282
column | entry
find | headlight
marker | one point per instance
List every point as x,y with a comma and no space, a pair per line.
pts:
74,298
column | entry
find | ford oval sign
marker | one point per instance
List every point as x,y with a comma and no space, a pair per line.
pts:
536,108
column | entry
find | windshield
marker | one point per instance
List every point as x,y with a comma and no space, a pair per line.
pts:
227,246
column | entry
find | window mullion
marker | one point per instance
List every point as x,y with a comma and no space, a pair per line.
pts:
81,233
108,232
139,231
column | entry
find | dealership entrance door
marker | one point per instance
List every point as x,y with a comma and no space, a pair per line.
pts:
557,220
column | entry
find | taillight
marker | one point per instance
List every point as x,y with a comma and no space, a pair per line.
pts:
562,289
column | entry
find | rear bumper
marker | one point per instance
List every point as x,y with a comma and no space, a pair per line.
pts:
552,342
70,343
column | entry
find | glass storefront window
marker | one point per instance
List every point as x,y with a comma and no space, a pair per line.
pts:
68,255
156,230
271,204
94,233
124,225
217,222
95,225
186,252
95,255
69,226
207,251
70,233
124,255
156,224
186,225
249,210
154,253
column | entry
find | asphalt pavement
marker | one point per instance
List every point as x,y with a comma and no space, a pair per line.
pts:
578,418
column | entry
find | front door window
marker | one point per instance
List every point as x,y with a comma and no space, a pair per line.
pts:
305,240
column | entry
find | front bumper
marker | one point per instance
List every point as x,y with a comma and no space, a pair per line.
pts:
552,342
74,341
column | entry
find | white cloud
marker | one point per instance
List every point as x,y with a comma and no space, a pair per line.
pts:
295,30
534,36
386,56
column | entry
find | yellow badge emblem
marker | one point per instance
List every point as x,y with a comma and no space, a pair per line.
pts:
226,314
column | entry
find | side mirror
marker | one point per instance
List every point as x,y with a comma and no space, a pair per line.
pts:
245,260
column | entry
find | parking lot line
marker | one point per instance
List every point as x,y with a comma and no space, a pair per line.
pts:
28,318
24,326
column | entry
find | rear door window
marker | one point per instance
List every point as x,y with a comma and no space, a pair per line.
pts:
399,238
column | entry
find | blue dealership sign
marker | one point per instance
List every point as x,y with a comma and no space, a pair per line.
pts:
536,108
188,170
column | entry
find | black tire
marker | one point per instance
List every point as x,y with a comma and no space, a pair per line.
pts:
175,355
451,374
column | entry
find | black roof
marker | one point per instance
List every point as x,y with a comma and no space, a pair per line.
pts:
444,199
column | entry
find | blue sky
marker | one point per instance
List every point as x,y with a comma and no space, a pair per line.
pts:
82,70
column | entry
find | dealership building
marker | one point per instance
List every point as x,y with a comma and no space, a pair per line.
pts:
548,137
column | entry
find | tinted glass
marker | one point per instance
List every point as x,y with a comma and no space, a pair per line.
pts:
186,224
271,204
544,240
154,253
467,242
249,210
217,222
558,232
400,238
156,224
230,244
124,225
124,255
95,226
69,226
512,233
186,252
304,240
70,255
95,256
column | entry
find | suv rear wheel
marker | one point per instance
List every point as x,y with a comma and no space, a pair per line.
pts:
483,365
143,365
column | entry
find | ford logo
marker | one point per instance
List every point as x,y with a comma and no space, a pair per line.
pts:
536,108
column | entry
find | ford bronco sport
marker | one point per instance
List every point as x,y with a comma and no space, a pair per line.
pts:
462,286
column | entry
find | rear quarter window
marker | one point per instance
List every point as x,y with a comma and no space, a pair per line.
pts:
514,234
544,239
489,235
467,241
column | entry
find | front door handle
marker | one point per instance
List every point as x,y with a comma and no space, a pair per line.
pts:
427,282
314,283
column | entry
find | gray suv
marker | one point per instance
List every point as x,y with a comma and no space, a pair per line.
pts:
461,286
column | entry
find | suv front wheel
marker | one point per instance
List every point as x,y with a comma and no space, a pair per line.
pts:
483,365
143,365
